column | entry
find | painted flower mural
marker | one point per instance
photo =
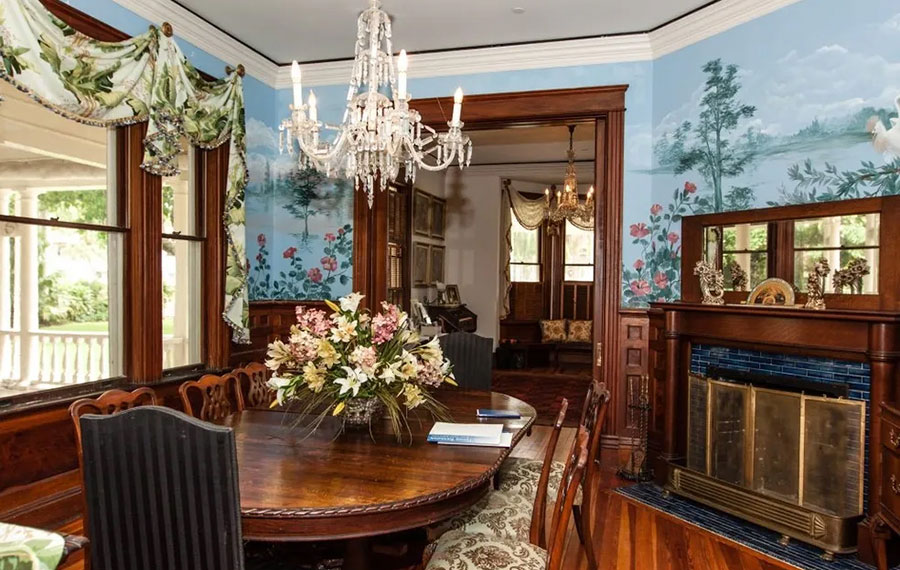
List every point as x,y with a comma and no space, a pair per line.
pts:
654,276
300,281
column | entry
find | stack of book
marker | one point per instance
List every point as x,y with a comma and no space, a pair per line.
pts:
484,435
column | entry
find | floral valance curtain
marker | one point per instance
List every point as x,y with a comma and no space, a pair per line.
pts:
145,78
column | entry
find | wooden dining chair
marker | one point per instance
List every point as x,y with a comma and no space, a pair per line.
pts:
253,381
162,492
212,398
461,550
108,403
593,417
517,514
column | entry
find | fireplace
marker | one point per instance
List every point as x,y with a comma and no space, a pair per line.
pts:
781,458
845,362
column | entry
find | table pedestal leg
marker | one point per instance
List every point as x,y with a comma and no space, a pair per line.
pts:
357,554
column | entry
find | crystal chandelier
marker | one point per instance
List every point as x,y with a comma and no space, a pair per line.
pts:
567,205
378,134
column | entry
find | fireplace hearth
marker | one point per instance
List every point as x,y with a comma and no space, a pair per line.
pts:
780,458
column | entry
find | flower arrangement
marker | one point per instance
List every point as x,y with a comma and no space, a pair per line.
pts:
339,364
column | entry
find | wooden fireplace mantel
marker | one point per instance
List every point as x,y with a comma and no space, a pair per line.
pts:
862,336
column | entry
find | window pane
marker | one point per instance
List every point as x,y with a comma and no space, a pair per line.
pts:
65,159
754,264
805,261
179,205
745,237
182,316
525,244
579,273
579,246
59,309
524,273
837,231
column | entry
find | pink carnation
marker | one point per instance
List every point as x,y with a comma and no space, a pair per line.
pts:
314,275
313,320
639,230
430,373
385,323
329,263
329,237
656,209
661,280
640,287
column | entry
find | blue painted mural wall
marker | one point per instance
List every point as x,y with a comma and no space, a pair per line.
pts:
276,263
807,80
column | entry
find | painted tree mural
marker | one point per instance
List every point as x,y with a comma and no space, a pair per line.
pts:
709,145
302,188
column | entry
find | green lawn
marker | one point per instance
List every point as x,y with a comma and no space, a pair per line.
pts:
99,326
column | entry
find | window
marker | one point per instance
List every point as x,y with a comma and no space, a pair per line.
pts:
60,250
578,254
840,240
744,250
525,253
181,265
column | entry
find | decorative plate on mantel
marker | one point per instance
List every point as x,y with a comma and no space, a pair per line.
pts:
773,291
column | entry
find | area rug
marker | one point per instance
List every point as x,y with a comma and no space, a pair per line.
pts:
752,536
545,390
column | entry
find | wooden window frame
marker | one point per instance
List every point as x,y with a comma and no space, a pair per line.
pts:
540,250
781,247
139,203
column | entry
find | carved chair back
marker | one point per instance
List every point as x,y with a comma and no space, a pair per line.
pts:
253,380
108,403
162,492
212,398
539,512
565,499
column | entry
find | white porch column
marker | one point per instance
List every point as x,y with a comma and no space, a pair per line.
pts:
7,347
742,241
28,288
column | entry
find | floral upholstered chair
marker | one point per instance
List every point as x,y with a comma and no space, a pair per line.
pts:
521,476
509,513
461,550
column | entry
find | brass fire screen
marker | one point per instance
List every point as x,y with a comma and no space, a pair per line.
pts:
804,451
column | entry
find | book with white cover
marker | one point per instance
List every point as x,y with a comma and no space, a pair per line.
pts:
466,434
505,441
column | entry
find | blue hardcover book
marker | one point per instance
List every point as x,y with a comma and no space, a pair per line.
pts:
474,434
498,414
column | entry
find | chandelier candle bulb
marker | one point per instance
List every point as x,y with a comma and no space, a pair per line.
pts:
313,112
457,106
298,88
402,66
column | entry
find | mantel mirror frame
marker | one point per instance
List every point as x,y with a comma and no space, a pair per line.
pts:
780,248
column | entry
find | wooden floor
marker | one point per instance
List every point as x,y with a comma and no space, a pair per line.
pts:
635,537
631,536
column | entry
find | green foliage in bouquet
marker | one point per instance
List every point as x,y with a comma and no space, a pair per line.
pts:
329,360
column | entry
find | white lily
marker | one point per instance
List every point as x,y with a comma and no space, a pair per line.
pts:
352,383
350,302
280,385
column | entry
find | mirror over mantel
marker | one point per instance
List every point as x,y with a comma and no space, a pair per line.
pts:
786,242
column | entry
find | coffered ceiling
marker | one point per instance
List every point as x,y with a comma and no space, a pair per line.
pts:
316,30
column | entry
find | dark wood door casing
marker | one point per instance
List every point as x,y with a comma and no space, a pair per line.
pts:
605,106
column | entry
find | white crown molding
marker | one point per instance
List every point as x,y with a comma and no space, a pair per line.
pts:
205,36
681,33
565,53
709,21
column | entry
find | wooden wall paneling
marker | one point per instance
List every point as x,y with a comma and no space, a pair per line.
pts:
889,255
213,179
371,262
269,320
634,363
609,172
691,252
143,260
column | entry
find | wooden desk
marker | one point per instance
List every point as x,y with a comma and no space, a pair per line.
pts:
322,487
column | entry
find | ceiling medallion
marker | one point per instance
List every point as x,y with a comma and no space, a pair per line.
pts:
568,206
378,134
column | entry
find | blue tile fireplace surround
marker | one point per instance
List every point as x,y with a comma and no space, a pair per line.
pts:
855,375
840,352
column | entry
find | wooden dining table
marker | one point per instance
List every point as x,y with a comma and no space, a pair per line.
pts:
303,486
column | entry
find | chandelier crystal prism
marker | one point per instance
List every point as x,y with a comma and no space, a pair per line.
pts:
568,206
379,134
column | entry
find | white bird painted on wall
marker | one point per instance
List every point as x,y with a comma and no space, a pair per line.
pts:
886,141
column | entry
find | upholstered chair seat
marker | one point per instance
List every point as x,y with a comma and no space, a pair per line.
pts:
459,550
519,475
498,514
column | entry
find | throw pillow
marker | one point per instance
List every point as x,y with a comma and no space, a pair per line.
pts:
553,331
580,331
